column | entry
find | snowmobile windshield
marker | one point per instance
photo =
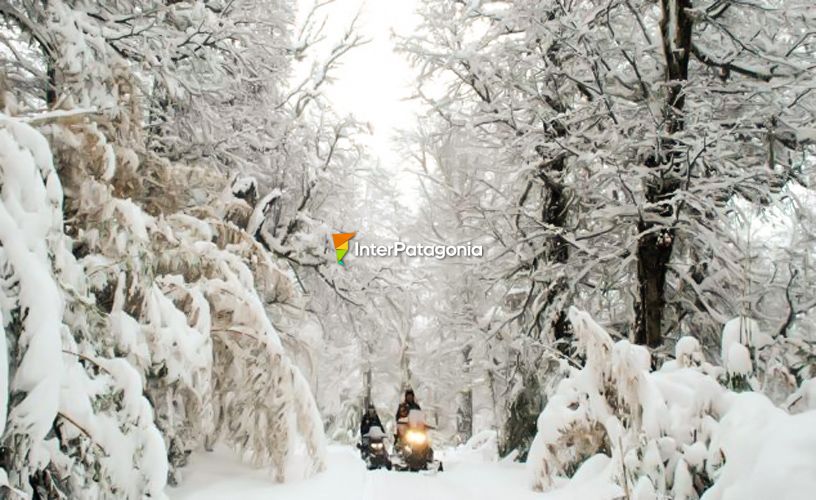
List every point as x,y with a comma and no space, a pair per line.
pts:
416,418
376,433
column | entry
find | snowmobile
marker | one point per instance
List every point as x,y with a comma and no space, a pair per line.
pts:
373,449
412,451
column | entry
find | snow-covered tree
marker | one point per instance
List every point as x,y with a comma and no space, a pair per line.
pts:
629,143
155,324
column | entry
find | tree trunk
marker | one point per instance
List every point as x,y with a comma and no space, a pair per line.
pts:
368,380
655,246
464,416
520,427
554,213
654,252
51,83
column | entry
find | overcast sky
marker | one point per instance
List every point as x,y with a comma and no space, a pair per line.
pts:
374,81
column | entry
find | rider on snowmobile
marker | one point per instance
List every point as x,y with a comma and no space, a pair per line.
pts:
412,444
372,434
408,403
370,419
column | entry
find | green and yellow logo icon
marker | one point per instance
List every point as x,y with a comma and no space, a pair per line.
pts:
341,245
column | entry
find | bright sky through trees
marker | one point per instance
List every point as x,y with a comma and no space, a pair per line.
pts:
374,83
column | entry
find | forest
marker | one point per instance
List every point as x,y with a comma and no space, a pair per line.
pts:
639,321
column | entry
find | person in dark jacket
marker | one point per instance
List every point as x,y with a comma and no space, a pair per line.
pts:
370,419
408,403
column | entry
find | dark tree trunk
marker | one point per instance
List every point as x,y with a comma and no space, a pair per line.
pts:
654,252
655,246
51,84
464,417
557,216
554,213
520,427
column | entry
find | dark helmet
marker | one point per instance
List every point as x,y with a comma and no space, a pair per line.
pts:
409,392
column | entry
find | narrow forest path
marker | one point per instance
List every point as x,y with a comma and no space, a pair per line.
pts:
219,475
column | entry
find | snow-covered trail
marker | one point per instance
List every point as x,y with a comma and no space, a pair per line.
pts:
218,475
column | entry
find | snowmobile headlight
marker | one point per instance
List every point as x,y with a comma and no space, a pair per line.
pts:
416,437
376,446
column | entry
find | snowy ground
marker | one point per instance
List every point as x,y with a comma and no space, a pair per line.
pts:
219,475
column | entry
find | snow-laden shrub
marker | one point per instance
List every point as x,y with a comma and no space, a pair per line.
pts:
196,293
77,421
774,365
740,337
481,447
672,433
173,306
